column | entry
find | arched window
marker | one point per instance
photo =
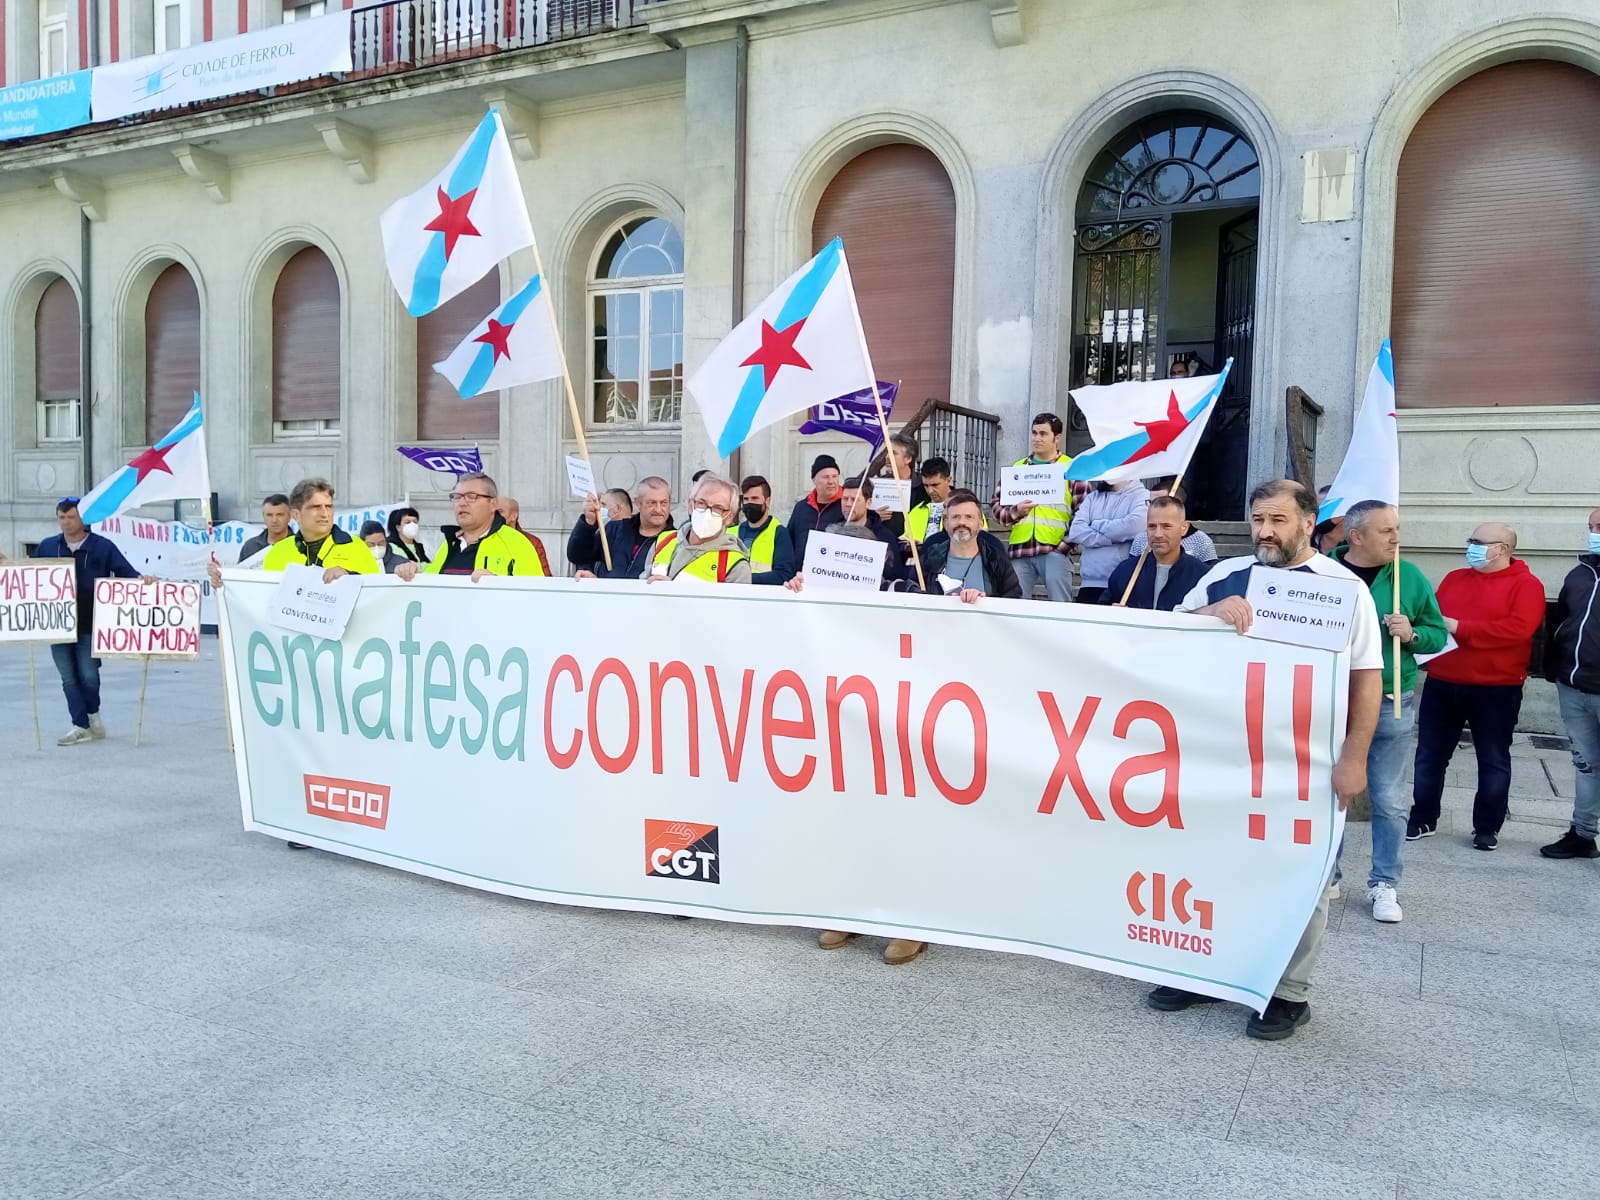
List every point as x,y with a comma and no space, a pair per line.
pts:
305,347
636,303
58,388
441,412
895,208
1170,160
171,351
1496,297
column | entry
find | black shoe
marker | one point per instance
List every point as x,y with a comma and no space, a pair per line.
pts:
1571,845
1280,1020
1416,831
1485,841
1171,999
298,846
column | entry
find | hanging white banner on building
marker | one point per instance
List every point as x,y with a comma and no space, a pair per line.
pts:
38,601
264,58
1162,811
134,618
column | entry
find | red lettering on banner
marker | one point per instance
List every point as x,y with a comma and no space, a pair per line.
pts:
1303,673
861,687
613,668
775,727
732,750
902,732
659,675
957,693
1164,760
564,759
1067,747
1255,703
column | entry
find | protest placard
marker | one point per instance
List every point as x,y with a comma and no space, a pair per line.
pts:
580,475
1302,608
302,601
1042,483
38,601
134,619
835,561
893,494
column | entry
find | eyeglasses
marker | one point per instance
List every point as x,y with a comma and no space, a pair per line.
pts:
702,506
1480,542
454,496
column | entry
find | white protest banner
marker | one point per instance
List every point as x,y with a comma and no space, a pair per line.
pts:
263,58
843,563
1302,608
38,601
893,494
869,763
303,602
134,619
1044,483
580,475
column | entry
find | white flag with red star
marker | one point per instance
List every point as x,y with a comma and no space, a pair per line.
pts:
173,469
1145,429
445,236
516,343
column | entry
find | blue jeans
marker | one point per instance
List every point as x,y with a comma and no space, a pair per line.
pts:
1055,569
80,677
1580,713
1386,768
1490,711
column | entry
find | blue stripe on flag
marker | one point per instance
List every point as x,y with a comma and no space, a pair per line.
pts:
508,313
110,501
798,304
1099,460
467,175
184,428
1386,362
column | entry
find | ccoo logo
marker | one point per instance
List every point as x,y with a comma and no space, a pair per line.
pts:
682,850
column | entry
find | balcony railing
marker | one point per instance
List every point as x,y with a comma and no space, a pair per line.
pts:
404,34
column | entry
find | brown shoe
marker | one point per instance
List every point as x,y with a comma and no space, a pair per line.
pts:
832,939
899,952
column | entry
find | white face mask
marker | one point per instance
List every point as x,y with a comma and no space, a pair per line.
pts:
605,514
378,552
705,523
409,529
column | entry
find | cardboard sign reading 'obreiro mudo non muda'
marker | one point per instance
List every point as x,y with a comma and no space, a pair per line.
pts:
137,619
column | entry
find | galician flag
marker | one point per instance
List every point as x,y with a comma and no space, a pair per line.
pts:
173,469
802,346
516,343
1371,467
1143,430
442,238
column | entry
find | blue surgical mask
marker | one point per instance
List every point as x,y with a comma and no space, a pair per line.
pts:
1477,555
1594,542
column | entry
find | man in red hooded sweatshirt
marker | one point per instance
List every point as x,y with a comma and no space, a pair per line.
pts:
1492,608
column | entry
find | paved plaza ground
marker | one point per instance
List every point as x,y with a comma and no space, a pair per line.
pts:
190,1011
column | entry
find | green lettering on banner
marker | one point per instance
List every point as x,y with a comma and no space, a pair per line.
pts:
258,641
312,649
438,652
513,702
378,687
479,702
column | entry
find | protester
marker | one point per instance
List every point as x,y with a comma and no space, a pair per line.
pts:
319,542
508,508
965,555
902,459
1103,528
708,550
1282,516
93,557
482,542
855,503
1196,542
377,540
1372,529
275,527
618,505
632,539
820,508
1168,573
1037,530
771,550
1329,533
1573,662
1492,608
404,532
926,517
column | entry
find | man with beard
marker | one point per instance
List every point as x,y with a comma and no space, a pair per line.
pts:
965,555
1162,582
1283,514
771,550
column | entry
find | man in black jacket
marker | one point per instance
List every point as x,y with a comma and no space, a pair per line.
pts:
966,555
819,509
274,527
1168,572
632,541
1573,661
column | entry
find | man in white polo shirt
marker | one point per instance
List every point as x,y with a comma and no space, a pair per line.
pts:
1283,514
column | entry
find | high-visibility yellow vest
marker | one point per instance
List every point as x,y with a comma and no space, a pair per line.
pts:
501,551
1044,523
919,518
713,568
762,548
338,549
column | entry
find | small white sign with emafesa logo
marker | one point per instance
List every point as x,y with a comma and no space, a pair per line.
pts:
1302,608
304,603
849,563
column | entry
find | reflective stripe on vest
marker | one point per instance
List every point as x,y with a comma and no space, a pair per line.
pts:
702,567
1044,523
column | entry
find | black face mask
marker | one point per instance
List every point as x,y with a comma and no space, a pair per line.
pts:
754,513
1100,485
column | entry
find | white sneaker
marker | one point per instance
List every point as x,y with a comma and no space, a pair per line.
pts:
97,727
74,737
1385,906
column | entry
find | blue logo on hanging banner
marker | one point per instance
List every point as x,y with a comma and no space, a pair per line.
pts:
44,106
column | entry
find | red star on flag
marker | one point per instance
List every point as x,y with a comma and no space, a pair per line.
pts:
454,219
777,351
150,461
498,336
1161,433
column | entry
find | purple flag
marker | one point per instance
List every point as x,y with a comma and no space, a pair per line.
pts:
455,462
854,414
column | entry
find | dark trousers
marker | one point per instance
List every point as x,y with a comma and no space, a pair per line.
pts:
1089,595
1490,711
80,677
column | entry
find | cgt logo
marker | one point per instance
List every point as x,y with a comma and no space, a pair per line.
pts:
682,850
1161,902
348,800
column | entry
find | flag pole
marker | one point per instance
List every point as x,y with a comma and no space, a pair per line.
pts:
572,396
144,683
1177,482
1396,636
33,691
